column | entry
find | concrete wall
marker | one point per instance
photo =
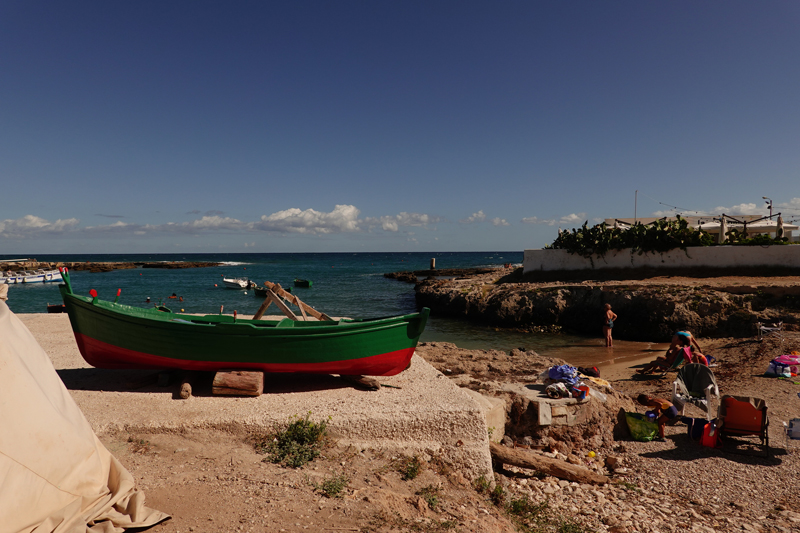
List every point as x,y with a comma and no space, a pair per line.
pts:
715,257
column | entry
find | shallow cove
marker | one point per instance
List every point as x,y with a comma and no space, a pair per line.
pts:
577,350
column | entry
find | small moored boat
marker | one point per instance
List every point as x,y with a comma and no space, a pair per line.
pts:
27,276
236,283
113,335
303,283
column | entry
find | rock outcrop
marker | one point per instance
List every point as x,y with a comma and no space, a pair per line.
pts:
647,309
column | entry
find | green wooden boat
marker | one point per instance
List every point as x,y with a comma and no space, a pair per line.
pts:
303,283
113,335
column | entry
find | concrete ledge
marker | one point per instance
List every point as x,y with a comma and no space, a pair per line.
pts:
427,414
494,411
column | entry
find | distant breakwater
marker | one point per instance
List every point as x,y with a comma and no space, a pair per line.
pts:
106,266
648,310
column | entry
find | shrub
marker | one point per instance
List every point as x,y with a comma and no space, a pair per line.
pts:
294,445
660,236
409,467
333,487
431,496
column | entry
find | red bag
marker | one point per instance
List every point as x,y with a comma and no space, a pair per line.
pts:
710,436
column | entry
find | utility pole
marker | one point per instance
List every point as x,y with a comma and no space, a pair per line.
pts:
635,205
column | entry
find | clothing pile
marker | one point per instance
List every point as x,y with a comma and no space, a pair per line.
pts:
563,381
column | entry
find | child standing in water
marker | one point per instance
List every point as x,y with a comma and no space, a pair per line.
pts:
608,324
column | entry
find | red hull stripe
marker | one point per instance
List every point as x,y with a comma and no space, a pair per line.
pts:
100,354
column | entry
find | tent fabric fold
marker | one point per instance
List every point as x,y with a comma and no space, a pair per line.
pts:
55,474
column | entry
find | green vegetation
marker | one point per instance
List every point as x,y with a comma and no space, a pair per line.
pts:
628,486
409,467
529,517
737,237
332,487
660,236
430,494
294,445
140,446
532,517
482,485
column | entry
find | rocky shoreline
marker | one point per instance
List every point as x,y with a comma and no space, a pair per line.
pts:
649,309
105,266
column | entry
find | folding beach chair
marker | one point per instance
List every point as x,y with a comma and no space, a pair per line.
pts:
742,416
696,384
774,329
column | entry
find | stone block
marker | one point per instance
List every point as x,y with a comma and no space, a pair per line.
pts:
545,414
494,410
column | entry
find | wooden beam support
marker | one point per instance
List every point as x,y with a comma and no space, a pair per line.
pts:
304,307
238,383
282,306
553,467
261,309
363,382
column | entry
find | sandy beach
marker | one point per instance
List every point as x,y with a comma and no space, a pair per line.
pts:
208,476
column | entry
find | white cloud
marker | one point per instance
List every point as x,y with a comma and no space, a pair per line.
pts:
537,220
573,219
393,222
32,225
743,209
499,222
794,203
476,217
343,219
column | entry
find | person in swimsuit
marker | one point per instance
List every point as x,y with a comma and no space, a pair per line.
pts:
663,409
610,316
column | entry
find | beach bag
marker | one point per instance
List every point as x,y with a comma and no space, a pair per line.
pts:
592,372
564,373
784,366
557,390
580,392
710,436
640,427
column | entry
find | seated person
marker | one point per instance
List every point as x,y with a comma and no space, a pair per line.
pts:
684,338
694,356
663,409
680,340
662,363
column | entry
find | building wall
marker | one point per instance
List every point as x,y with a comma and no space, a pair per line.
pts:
705,257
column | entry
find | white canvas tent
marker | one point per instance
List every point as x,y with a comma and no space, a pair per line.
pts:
55,475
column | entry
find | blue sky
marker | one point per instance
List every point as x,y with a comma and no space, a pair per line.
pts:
386,126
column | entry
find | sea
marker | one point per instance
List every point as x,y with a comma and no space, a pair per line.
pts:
343,285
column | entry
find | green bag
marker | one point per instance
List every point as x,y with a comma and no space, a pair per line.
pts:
641,428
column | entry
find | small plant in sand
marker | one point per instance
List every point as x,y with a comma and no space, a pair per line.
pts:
295,444
533,517
332,487
482,485
430,494
140,446
409,467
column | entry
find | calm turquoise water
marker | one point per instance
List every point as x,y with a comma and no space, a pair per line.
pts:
344,284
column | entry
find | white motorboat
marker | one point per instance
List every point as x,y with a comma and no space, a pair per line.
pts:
236,283
26,276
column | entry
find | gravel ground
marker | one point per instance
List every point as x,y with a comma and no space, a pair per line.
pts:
212,480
